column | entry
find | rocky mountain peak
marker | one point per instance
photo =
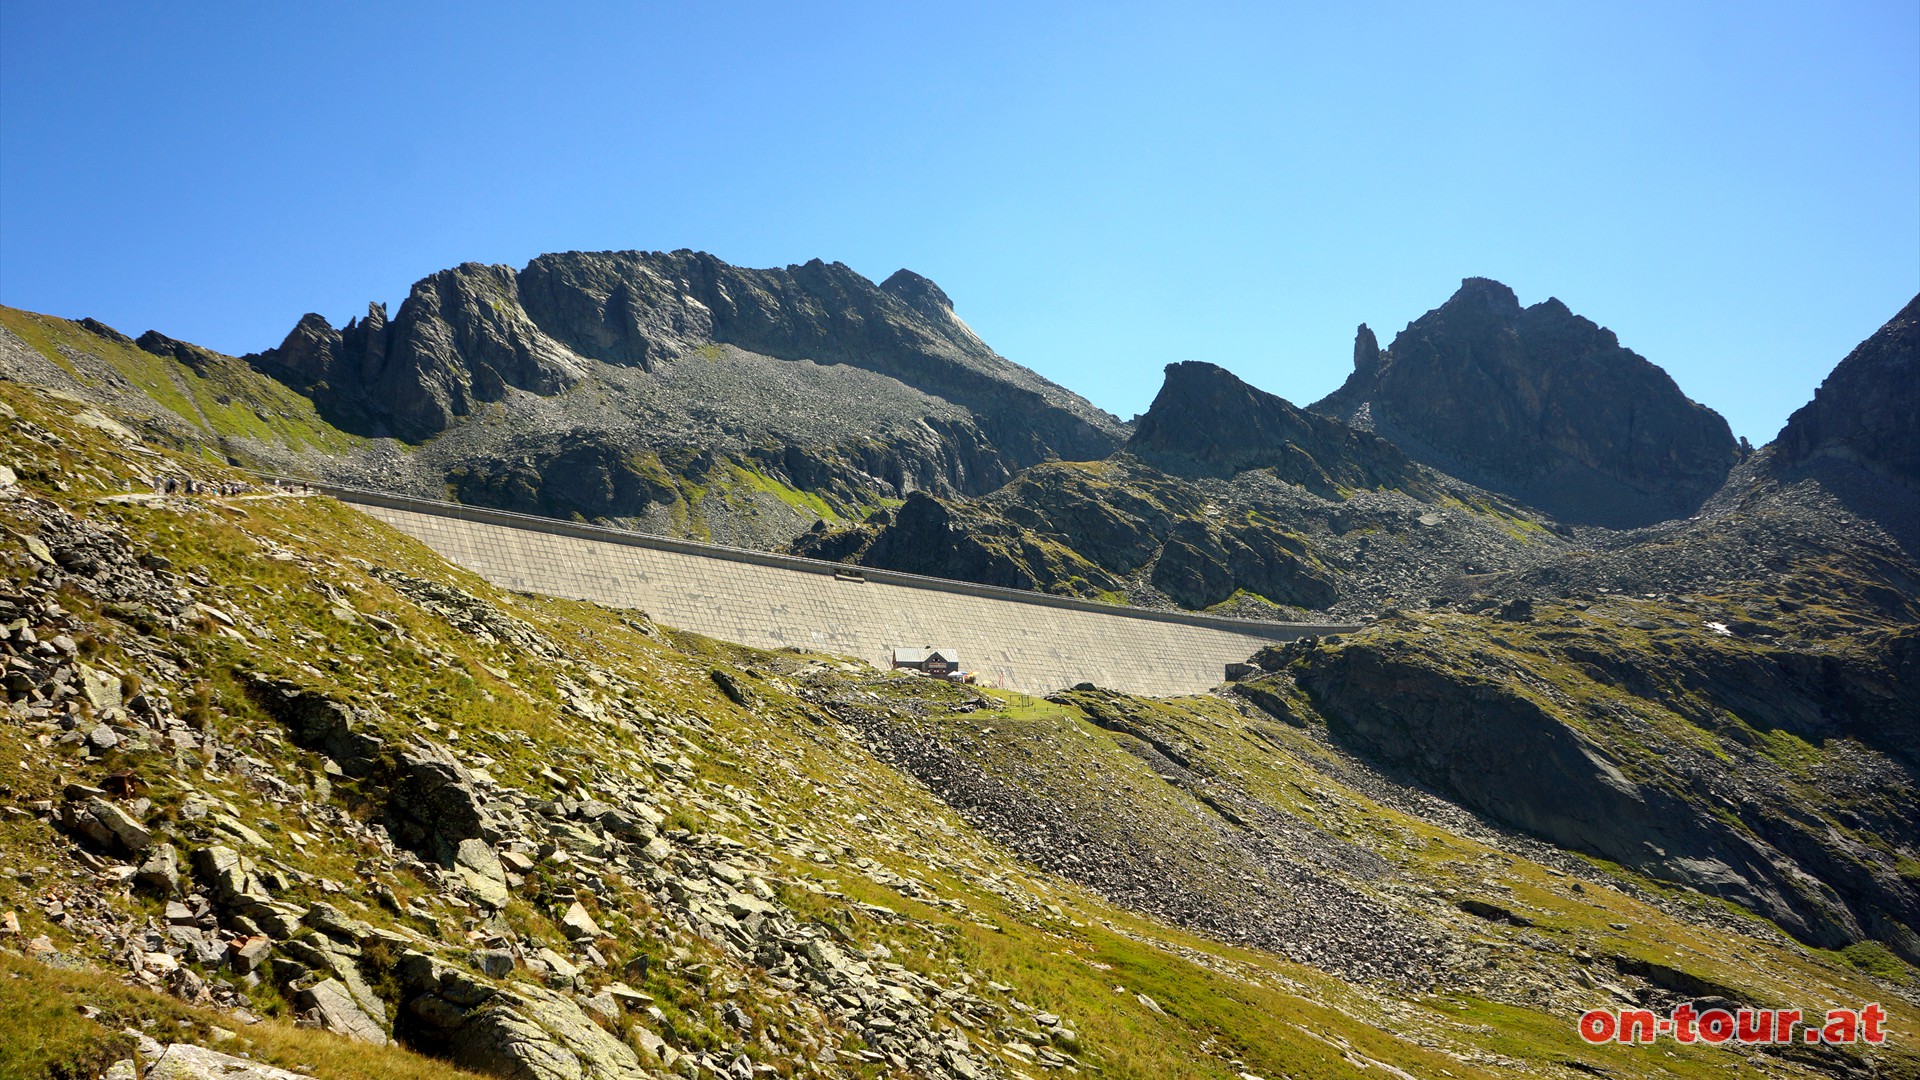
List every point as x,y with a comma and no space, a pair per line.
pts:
1366,350
1205,412
1207,419
1484,295
460,338
1540,404
918,293
376,318
1868,409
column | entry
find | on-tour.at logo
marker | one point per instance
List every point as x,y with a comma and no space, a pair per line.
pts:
1685,1024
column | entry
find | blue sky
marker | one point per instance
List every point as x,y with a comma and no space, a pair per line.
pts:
1102,188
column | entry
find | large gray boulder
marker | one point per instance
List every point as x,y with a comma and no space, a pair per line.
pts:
184,1061
107,826
500,1040
435,804
229,876
340,1012
529,1033
480,871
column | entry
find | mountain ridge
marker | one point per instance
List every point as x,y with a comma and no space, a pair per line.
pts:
674,392
465,335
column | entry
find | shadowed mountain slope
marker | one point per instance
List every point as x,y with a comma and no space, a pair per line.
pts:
1205,418
1539,404
1868,409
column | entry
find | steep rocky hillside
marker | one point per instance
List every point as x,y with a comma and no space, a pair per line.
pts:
1777,767
179,393
282,784
1539,404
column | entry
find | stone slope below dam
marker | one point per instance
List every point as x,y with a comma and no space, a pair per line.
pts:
1028,642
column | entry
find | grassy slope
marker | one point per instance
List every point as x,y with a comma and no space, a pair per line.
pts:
789,779
223,398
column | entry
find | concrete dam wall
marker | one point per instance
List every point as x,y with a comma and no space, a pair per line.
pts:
1019,640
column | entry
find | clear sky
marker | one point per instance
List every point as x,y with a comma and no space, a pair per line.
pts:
1102,188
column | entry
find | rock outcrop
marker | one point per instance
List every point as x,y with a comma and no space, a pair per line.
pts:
193,356
1201,565
1065,530
185,1061
460,339
1868,409
1539,404
320,723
